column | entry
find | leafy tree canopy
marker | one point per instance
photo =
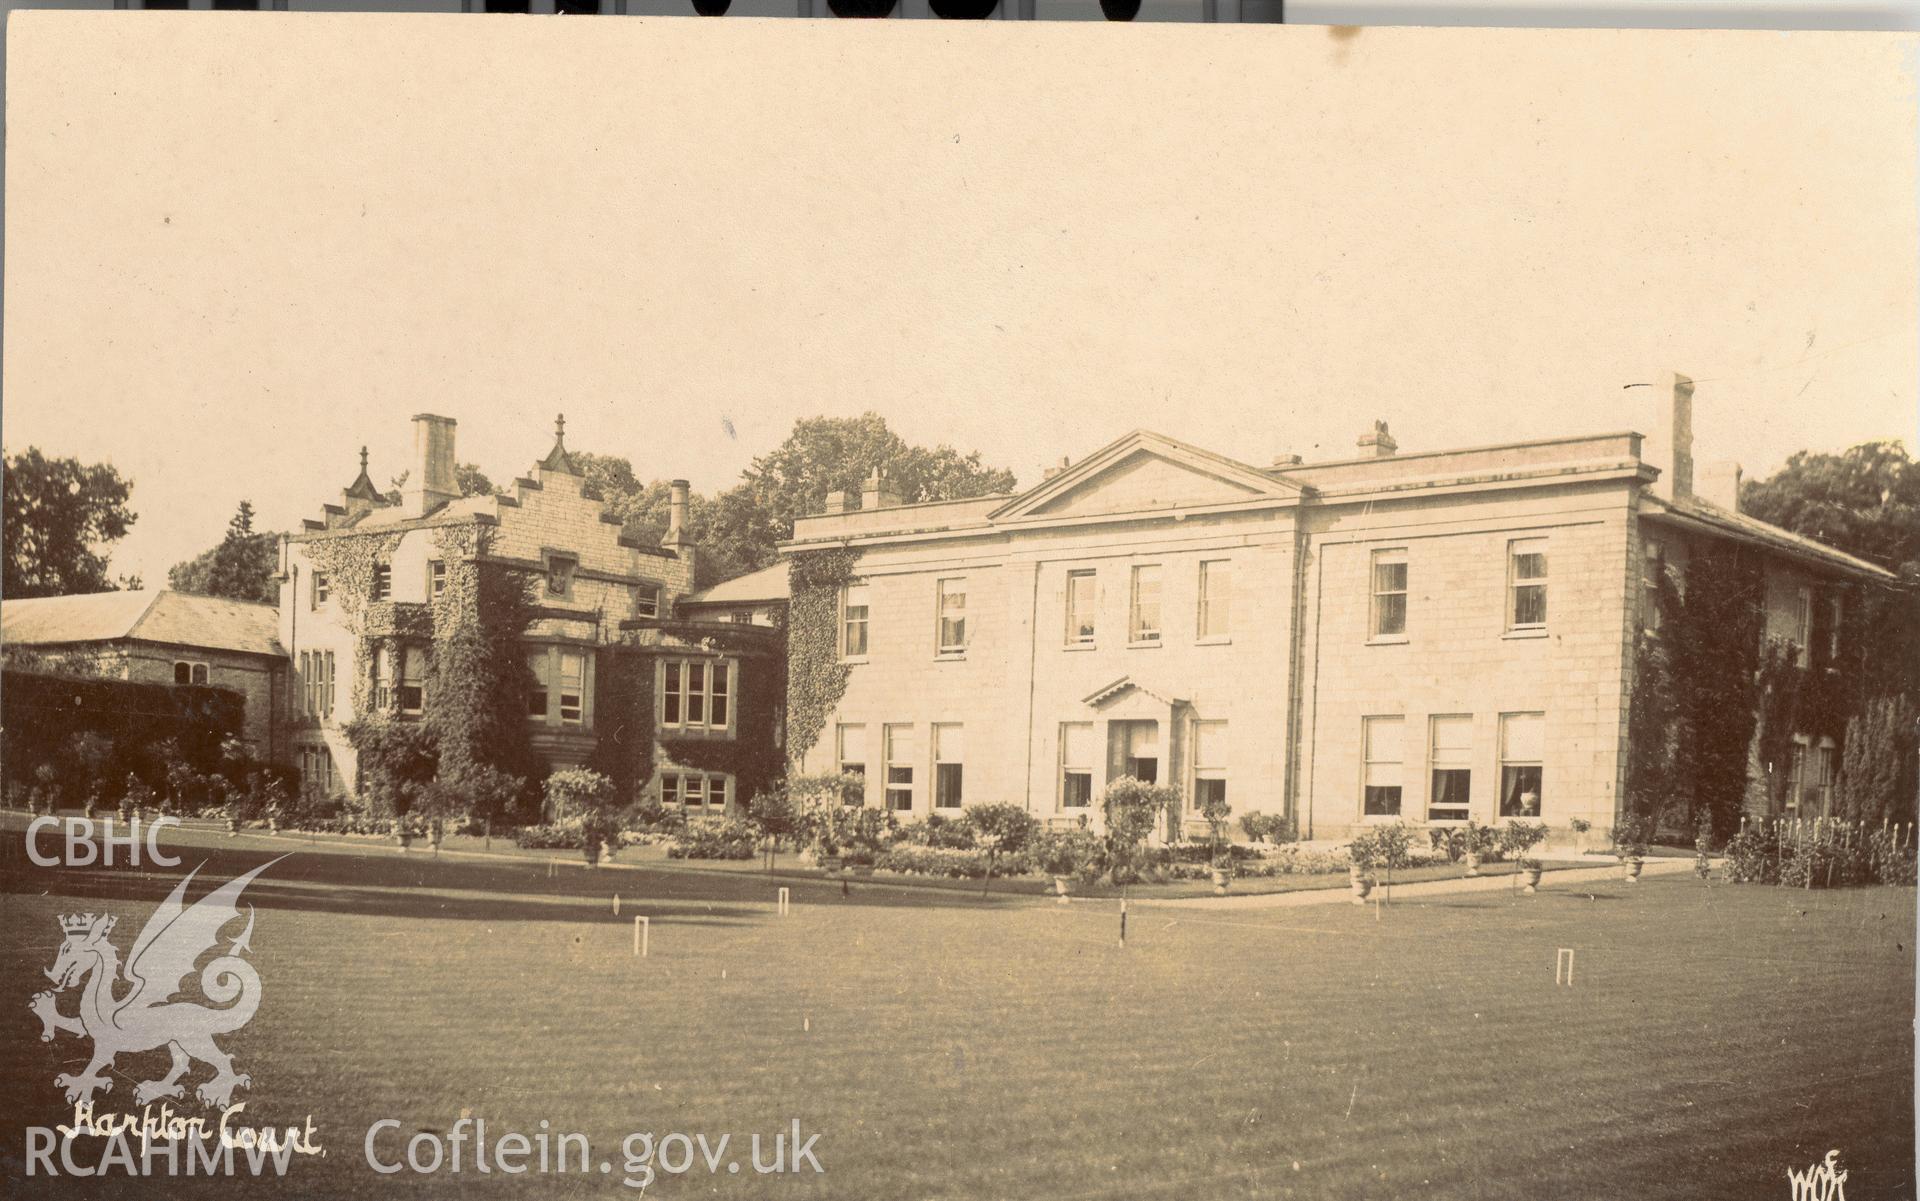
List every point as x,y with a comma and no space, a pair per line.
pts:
241,567
60,517
471,480
737,530
1866,501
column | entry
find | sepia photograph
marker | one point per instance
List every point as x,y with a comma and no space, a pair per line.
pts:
1130,600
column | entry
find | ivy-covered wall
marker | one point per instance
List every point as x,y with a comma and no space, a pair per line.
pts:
629,747
816,678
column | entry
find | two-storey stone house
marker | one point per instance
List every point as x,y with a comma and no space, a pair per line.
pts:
1433,637
615,677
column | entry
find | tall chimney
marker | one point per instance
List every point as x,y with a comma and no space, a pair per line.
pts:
836,502
430,481
676,512
1667,441
1379,443
678,540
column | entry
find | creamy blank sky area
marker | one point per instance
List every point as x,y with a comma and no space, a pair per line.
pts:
241,245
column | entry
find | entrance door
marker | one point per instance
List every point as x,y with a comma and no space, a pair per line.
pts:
1133,749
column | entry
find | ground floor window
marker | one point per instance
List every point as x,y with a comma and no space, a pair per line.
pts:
1817,781
1209,764
1522,743
948,766
1451,761
899,752
694,790
1076,764
852,740
413,679
316,769
1380,739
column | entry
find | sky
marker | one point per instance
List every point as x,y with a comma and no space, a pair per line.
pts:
240,248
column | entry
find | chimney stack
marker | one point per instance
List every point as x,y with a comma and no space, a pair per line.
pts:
1668,435
430,482
1056,469
678,540
676,512
875,494
1719,483
836,502
1378,443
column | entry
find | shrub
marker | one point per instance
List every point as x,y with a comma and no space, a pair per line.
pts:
1003,830
1076,853
1753,857
714,840
937,831
908,859
561,836
587,795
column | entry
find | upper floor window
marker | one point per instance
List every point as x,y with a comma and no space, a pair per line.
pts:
1527,584
382,581
949,766
1653,569
413,679
1389,611
436,577
1380,765
560,569
696,694
953,617
1450,757
322,588
316,683
646,600
1802,625
573,676
383,682
1216,595
853,621
1143,623
1080,606
189,673
1522,743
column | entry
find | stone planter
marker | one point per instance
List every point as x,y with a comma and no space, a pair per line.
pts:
1060,887
1221,880
1362,885
1630,868
233,825
1530,880
1472,860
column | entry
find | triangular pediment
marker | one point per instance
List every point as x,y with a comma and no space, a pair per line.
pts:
1110,694
1145,473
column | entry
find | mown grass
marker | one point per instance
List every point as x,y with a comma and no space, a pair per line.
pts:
947,1047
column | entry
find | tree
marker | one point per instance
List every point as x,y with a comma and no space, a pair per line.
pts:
1878,768
738,530
1002,829
1866,501
1132,808
60,516
242,567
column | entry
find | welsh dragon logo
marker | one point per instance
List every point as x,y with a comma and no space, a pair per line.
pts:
143,1015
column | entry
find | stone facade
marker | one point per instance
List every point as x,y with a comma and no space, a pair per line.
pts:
595,590
1431,637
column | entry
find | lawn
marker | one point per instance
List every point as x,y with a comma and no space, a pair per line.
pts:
946,1046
